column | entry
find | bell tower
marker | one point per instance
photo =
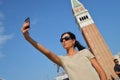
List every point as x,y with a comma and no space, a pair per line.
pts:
94,39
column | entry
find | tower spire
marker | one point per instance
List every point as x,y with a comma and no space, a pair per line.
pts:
75,3
81,14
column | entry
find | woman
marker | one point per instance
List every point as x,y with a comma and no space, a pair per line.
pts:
117,67
79,64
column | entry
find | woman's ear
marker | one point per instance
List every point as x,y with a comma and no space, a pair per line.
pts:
74,41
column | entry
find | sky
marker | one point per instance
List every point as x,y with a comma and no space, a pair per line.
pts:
49,19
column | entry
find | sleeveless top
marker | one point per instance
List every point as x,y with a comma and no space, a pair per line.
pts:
79,67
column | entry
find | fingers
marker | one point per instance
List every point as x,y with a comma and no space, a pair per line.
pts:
25,27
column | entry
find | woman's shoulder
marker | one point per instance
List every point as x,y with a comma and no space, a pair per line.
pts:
84,50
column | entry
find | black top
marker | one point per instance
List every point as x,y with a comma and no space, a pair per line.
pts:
117,69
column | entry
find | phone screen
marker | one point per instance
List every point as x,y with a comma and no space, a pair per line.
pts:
27,20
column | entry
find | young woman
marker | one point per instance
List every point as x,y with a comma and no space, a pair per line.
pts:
79,64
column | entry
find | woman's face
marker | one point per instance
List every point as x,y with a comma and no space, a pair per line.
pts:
67,42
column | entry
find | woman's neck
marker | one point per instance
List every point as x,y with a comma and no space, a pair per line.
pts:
71,52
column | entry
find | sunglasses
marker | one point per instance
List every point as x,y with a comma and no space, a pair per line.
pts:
65,38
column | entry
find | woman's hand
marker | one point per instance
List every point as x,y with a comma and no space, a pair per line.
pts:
25,28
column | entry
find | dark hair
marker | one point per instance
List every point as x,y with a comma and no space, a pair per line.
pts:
77,43
115,60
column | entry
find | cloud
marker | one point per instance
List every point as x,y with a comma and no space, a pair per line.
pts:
3,37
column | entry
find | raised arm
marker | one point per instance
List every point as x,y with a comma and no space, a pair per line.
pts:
53,57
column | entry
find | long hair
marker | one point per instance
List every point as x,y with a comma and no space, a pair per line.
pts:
77,43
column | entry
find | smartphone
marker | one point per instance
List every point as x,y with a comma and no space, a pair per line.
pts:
27,20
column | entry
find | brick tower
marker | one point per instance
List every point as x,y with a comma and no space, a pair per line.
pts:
94,39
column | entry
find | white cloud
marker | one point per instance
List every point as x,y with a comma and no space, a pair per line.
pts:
3,37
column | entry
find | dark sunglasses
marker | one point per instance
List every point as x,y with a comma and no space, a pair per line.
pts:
65,38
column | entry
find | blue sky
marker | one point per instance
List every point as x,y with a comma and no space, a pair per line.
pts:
49,19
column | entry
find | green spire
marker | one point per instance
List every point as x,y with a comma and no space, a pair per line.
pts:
75,3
